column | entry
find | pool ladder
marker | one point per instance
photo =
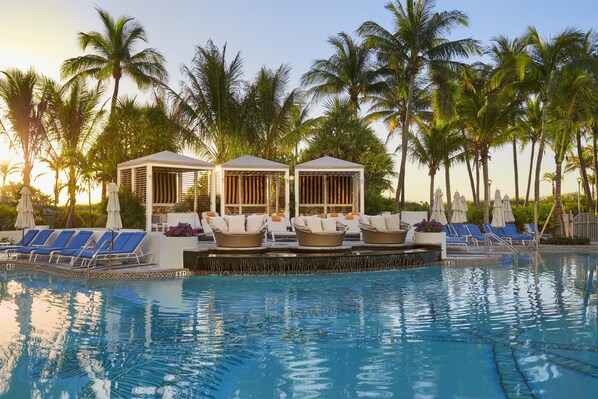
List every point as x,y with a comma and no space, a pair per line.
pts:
501,241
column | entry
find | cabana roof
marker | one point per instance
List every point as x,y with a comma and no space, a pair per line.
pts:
328,163
249,162
168,159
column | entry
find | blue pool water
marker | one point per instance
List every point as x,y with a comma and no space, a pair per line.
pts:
467,332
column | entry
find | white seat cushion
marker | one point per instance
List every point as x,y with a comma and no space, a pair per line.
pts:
378,222
236,224
299,221
364,219
276,223
255,223
393,222
314,224
219,223
329,225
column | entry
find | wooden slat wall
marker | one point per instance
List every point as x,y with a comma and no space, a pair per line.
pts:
254,190
164,187
232,196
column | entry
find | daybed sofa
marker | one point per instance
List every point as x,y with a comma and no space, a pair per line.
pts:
238,231
383,229
318,232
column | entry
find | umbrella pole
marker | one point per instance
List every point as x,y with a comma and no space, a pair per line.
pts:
110,251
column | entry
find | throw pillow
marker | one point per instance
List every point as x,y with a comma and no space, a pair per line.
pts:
255,223
219,223
329,225
314,224
378,222
236,224
393,222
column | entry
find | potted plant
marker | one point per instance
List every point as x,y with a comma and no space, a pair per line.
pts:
175,240
430,232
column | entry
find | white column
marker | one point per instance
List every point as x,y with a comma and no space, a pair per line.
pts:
222,192
213,190
296,193
267,195
361,192
195,191
149,198
287,194
325,189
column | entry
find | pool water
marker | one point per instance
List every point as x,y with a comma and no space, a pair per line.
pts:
437,332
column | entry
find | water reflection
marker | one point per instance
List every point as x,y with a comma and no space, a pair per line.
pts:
497,331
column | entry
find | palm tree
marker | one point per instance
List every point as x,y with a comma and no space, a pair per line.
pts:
569,109
537,69
209,102
73,118
114,56
7,168
529,123
486,115
56,163
418,44
349,71
25,108
274,131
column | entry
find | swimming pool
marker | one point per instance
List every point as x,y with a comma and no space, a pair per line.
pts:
479,332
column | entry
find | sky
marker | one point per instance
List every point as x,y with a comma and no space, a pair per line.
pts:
270,33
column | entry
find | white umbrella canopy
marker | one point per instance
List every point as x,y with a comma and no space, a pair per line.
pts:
464,208
457,215
113,222
25,218
438,208
498,215
507,210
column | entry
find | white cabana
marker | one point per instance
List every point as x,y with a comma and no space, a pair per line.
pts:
329,184
253,185
165,178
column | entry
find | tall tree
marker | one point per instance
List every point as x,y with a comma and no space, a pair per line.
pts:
25,106
273,129
114,55
210,103
348,71
529,124
537,69
418,43
73,118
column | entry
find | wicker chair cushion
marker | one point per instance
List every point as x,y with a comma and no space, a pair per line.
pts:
378,222
219,223
314,224
255,223
393,222
328,224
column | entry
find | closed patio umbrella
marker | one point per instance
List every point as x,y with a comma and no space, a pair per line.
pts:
113,222
438,208
498,215
508,211
464,208
457,215
25,218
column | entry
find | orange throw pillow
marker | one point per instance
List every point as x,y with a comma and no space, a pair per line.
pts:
349,217
276,218
211,214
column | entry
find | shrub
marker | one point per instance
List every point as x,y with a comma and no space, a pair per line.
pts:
181,230
566,241
375,204
8,217
132,213
428,226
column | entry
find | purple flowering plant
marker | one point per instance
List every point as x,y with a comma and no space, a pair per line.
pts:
181,230
428,226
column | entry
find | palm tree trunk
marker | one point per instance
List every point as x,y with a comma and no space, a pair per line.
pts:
432,175
72,187
558,209
400,199
26,170
449,202
484,158
114,96
529,175
471,181
595,153
516,171
538,173
583,171
477,182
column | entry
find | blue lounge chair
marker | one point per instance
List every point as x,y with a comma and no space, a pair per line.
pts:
60,242
464,233
77,242
88,255
130,249
39,240
532,229
26,240
102,242
510,230
447,228
488,228
476,233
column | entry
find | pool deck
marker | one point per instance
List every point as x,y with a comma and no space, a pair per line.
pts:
344,259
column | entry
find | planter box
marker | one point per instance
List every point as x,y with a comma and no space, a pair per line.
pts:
171,250
431,238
